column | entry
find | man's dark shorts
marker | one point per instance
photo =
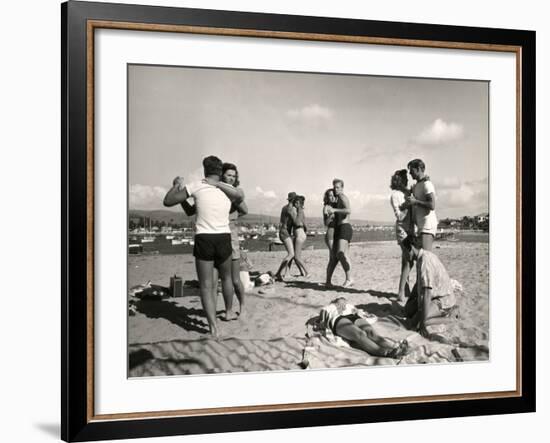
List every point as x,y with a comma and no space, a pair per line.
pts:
213,247
343,232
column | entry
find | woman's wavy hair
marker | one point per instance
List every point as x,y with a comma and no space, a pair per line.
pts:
299,198
232,167
399,179
326,200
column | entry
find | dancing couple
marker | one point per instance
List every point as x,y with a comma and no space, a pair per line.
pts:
414,211
218,201
292,232
336,215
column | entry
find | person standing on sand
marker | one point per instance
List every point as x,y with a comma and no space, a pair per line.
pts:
299,231
230,176
403,224
285,228
422,203
212,234
343,233
432,301
329,201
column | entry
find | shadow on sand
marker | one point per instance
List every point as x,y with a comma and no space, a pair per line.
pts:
321,287
179,315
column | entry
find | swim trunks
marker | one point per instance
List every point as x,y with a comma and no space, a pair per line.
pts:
213,247
283,234
343,232
351,317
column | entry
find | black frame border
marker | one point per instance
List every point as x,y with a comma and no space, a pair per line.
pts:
75,425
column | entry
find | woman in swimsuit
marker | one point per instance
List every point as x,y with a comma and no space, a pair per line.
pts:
285,228
299,229
403,224
356,326
329,201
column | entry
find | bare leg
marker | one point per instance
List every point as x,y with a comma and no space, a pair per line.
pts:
343,257
237,284
289,256
404,278
227,288
360,338
329,238
333,261
215,278
381,341
427,241
204,273
300,241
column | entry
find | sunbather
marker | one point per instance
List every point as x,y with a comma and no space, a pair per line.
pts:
356,326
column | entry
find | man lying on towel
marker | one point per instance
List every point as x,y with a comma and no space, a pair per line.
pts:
432,303
355,325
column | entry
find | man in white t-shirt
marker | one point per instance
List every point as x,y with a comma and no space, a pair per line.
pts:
212,235
422,202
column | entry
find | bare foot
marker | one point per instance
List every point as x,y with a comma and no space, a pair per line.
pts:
214,332
329,285
242,315
348,283
229,315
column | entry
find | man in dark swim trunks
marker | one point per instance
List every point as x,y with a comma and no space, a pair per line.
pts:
343,233
285,229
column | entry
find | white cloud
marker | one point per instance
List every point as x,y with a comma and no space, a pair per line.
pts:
466,197
310,113
449,183
360,200
440,132
260,193
146,197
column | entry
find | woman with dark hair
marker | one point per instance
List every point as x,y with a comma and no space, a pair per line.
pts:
403,224
229,184
285,229
329,201
299,230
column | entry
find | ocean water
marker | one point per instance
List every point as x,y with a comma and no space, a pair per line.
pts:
163,246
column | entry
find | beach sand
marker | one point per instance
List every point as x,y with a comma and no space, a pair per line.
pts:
169,336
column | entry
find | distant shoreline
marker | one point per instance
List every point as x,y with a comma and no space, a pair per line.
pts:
161,246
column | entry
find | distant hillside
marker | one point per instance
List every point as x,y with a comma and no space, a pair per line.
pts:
178,217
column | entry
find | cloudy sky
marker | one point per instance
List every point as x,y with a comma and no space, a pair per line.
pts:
297,131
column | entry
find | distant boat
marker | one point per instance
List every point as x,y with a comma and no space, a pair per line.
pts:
148,239
192,242
177,241
169,237
135,249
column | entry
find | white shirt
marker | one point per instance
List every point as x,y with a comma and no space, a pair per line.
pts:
402,223
212,208
424,218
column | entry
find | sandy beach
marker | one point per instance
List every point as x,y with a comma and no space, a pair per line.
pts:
169,336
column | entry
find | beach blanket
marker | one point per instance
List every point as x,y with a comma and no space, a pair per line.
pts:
323,349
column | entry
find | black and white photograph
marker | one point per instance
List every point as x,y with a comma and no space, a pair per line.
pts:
291,221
